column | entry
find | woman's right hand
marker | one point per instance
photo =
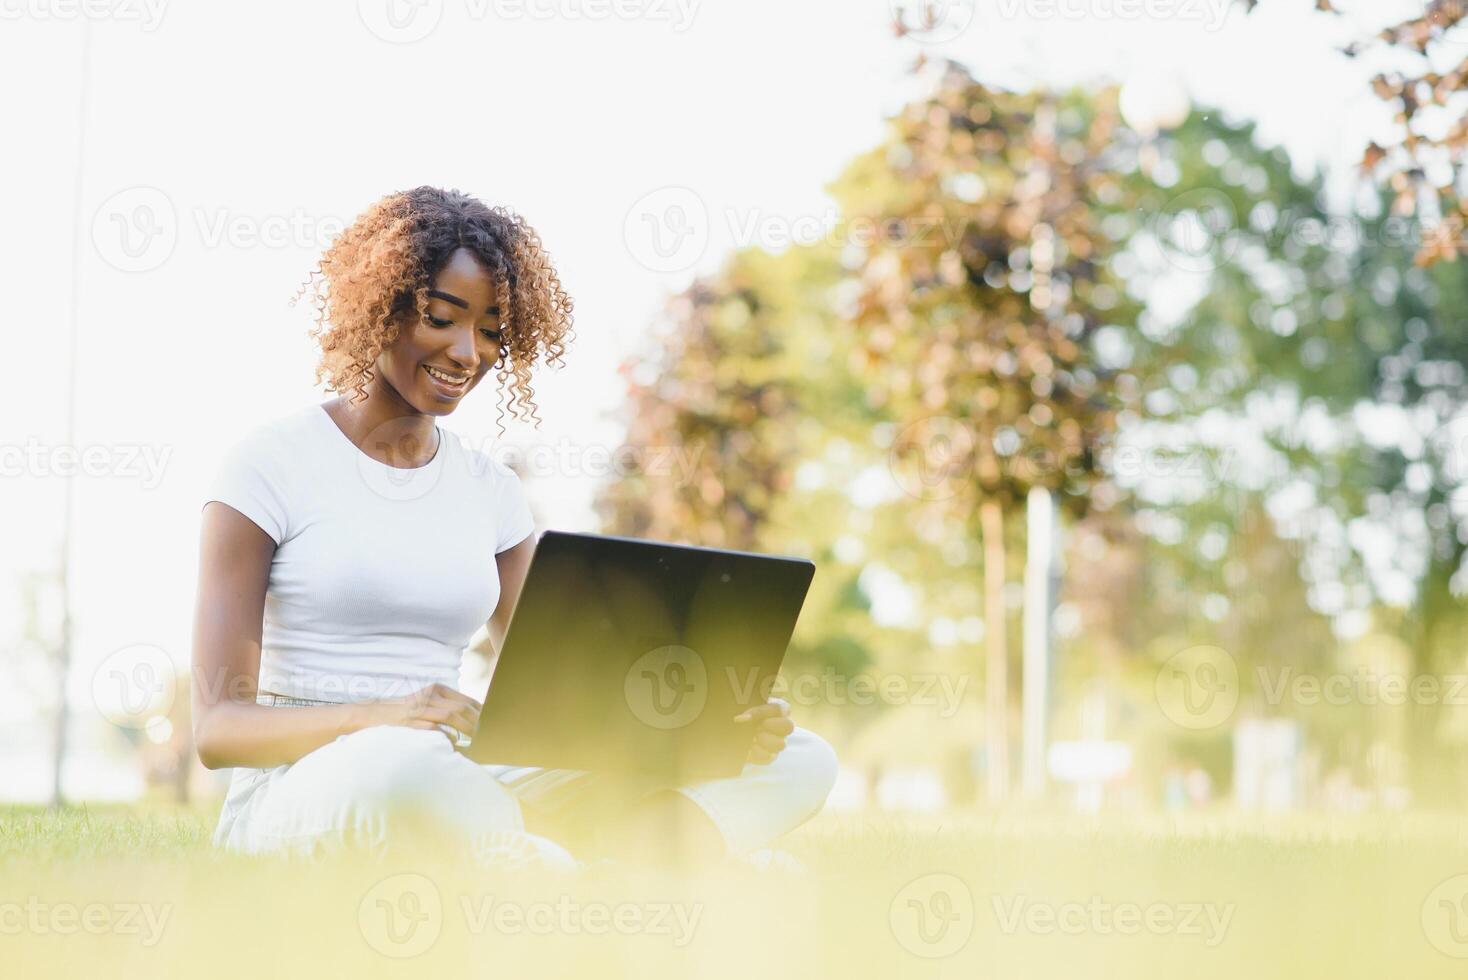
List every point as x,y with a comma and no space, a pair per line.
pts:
430,708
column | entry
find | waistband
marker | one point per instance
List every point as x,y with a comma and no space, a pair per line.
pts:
273,699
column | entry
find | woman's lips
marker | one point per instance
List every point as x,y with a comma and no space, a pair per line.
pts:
447,388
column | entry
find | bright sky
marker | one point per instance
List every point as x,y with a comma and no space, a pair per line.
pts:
238,139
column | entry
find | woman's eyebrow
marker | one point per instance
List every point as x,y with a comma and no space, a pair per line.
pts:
451,298
448,298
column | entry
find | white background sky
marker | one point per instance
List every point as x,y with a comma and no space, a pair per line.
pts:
249,117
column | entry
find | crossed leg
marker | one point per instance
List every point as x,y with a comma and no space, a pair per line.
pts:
387,783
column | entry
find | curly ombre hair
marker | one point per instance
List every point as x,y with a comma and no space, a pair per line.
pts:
375,277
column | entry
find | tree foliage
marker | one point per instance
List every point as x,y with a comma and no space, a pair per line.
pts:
1424,163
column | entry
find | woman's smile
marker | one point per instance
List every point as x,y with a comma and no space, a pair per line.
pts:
449,384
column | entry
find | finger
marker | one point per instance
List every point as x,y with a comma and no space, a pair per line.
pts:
440,703
457,697
760,757
758,712
467,721
430,727
777,726
770,743
463,719
783,705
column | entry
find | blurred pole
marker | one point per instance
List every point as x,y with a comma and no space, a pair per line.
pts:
996,675
63,665
1040,550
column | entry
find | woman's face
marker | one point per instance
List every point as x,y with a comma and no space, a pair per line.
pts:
458,340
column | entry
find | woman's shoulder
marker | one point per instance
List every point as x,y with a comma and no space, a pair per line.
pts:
259,474
279,436
485,463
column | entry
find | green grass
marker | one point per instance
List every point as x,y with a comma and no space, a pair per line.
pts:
31,834
1025,896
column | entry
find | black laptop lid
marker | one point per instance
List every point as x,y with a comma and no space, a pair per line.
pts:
632,655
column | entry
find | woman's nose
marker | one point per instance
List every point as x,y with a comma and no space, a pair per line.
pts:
463,351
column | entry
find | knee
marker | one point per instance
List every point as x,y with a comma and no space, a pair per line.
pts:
386,767
412,776
809,765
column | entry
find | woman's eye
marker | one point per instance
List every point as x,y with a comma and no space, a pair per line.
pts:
493,335
439,322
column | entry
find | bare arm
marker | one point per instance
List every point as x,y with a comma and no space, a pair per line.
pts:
230,729
513,564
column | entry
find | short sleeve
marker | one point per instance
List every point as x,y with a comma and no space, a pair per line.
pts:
512,518
248,481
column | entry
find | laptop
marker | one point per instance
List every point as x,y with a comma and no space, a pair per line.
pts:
633,656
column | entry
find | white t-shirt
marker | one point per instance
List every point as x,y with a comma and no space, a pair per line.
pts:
381,575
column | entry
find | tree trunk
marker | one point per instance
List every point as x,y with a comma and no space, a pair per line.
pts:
1035,676
996,687
1433,775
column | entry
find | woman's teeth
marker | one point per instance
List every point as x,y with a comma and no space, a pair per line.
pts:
448,379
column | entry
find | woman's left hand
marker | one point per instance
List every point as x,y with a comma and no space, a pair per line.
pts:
772,726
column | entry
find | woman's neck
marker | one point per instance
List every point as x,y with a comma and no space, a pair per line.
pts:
384,426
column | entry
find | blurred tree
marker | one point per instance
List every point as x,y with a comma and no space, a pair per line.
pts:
1326,372
746,430
1398,487
977,310
715,414
1163,327
1427,86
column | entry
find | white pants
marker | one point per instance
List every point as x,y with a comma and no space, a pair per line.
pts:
371,786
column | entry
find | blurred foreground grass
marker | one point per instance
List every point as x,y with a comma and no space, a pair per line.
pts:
140,892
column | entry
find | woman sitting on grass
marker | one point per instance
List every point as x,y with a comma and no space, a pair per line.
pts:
345,562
